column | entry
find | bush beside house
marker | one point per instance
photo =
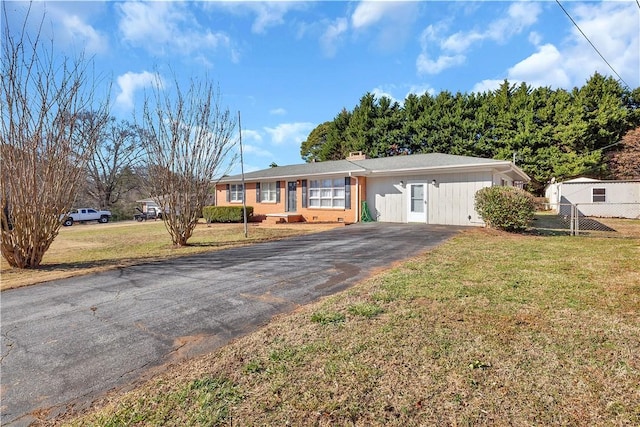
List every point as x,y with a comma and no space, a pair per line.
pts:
225,213
505,208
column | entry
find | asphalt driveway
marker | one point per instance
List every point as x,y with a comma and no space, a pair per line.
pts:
68,341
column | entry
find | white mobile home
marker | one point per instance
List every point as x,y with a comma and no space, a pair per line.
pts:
593,197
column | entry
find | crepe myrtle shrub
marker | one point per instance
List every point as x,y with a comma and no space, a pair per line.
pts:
505,208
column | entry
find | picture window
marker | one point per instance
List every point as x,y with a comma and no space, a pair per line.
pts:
326,193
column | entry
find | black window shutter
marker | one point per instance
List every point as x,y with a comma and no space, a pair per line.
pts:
277,191
304,193
347,192
228,192
257,192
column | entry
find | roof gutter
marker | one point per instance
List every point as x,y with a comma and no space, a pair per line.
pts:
478,166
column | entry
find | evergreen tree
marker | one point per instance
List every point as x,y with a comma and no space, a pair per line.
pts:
549,133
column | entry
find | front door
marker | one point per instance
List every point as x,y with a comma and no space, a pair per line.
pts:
417,203
291,196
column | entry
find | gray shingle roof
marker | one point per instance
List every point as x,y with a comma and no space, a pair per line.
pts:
422,161
294,171
357,167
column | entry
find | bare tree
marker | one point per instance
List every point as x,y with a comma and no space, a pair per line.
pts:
625,163
189,138
118,152
42,154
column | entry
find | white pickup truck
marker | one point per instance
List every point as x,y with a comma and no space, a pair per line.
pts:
86,214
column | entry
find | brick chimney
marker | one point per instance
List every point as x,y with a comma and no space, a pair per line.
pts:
356,155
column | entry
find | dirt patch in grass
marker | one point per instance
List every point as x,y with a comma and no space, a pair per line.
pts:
488,329
91,248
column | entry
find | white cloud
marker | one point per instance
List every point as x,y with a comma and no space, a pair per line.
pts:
84,34
519,17
256,150
267,13
611,26
543,68
425,65
332,35
129,83
420,90
535,38
67,24
251,135
166,28
460,42
387,90
371,12
487,85
389,22
278,112
452,49
290,133
379,93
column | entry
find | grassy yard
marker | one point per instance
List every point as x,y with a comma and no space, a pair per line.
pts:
488,329
89,248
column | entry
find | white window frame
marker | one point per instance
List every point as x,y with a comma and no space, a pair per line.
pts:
268,192
236,193
599,196
326,193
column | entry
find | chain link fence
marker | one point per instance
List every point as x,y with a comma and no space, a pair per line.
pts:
595,219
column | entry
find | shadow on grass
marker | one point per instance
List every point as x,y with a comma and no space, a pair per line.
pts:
549,224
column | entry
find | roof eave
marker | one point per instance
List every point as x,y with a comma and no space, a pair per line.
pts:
237,178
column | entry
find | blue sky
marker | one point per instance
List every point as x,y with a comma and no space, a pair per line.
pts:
289,66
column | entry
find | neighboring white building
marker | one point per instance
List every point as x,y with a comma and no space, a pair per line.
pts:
615,199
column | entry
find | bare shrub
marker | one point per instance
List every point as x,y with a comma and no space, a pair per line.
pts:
188,137
42,153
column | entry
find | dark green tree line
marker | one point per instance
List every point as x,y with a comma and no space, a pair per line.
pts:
549,132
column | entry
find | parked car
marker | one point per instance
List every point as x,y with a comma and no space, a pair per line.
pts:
85,215
151,213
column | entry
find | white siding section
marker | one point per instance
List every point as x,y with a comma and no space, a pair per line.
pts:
386,199
616,193
450,201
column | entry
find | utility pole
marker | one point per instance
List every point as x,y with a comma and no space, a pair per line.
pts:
244,191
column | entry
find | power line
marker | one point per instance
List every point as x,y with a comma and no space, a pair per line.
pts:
592,45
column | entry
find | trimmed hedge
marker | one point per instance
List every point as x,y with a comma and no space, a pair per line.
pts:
505,208
225,213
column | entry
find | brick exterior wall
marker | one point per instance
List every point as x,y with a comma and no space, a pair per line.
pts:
261,209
